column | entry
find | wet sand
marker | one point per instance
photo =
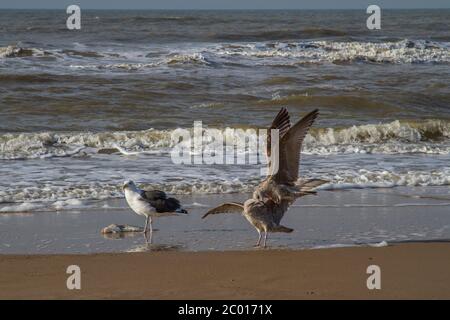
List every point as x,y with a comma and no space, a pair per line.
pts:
333,218
415,270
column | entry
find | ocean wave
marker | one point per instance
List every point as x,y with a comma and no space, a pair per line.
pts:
428,136
363,179
395,131
170,60
61,196
118,66
47,197
13,52
70,204
400,52
290,53
53,144
194,58
85,54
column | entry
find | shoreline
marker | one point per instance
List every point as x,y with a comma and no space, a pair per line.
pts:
408,271
330,219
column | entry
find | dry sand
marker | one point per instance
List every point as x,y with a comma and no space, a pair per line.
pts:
415,270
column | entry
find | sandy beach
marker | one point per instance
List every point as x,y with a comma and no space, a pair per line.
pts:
408,271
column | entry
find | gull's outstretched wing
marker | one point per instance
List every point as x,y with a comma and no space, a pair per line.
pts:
290,147
282,123
230,207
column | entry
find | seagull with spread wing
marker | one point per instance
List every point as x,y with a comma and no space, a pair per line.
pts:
283,181
282,186
150,203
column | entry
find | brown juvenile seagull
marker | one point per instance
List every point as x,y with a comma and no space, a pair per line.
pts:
264,216
281,188
283,181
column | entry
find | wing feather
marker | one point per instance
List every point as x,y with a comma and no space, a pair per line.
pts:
153,194
282,123
229,207
290,148
158,200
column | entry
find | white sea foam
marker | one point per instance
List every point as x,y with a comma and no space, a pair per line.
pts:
35,205
73,195
22,207
430,137
341,245
52,144
282,52
334,246
69,204
135,64
195,57
351,179
379,244
405,51
14,51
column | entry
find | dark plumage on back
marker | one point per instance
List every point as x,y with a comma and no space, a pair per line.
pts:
154,195
158,199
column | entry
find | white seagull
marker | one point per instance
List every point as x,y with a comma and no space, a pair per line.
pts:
150,203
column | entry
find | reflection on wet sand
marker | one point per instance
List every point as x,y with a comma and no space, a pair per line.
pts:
147,247
147,242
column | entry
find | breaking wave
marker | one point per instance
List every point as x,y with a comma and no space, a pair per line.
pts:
429,136
48,197
358,179
397,137
52,144
18,52
405,51
54,195
250,53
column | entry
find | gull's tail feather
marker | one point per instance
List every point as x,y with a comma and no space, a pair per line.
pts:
181,210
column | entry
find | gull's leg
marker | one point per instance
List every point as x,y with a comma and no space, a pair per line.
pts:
150,239
259,239
151,231
146,224
146,238
265,239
